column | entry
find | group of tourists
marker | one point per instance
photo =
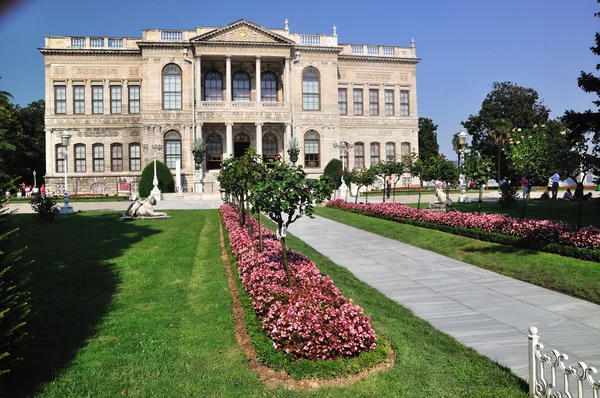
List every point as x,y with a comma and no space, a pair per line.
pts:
27,191
552,191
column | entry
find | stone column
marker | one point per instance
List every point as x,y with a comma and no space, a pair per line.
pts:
381,100
286,81
259,139
69,96
106,97
229,139
397,100
288,136
198,81
125,96
258,88
228,78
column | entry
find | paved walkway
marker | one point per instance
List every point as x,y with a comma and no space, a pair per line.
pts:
484,310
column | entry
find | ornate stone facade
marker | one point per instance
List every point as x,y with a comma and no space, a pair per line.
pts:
128,100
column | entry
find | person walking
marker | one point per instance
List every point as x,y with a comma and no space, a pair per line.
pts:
388,185
524,185
555,180
43,190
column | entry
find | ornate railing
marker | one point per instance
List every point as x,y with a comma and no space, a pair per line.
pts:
579,376
215,104
243,104
273,104
310,39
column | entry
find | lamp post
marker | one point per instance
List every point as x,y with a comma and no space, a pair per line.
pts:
293,77
462,143
65,138
343,147
34,180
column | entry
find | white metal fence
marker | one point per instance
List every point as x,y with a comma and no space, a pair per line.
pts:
572,381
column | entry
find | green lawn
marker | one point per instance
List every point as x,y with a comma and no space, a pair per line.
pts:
567,275
143,309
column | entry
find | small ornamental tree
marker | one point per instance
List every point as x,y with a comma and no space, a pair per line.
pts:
163,174
363,178
397,168
480,170
415,166
384,170
257,173
289,199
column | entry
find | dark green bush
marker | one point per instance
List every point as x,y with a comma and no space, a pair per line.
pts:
165,179
14,296
45,208
508,195
334,171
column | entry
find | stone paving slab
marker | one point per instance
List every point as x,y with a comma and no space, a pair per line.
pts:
489,312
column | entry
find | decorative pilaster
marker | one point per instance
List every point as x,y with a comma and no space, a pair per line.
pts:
229,139
286,80
288,134
125,97
69,95
228,78
198,81
258,88
259,139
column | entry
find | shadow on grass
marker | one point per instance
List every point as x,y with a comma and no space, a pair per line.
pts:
72,280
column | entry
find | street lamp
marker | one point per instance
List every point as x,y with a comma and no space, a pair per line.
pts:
34,180
294,61
462,143
65,137
343,147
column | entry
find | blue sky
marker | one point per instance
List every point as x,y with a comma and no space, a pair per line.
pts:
465,45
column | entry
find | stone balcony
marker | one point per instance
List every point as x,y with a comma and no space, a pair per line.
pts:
245,112
91,43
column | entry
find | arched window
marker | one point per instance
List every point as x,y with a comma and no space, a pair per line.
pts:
374,153
80,158
135,156
98,157
359,155
405,149
116,157
171,87
214,151
268,87
213,86
241,86
311,149
310,89
172,149
269,147
60,159
390,151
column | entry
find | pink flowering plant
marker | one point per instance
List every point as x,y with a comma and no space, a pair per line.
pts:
556,237
310,319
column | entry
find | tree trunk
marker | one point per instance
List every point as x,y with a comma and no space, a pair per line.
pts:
499,154
394,197
260,240
242,210
480,199
358,187
384,189
366,196
580,211
525,203
285,261
420,187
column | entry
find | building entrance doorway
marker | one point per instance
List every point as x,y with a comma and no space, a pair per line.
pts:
241,142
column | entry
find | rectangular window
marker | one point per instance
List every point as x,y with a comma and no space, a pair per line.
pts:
79,99
60,99
359,156
115,99
135,155
389,102
358,101
98,157
343,101
390,151
134,99
373,102
116,157
374,153
97,102
405,149
60,160
80,158
404,111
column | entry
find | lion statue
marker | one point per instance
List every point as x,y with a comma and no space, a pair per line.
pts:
143,208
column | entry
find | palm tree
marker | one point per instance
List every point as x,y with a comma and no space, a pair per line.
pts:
500,134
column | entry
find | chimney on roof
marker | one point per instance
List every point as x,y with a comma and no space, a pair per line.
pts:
286,29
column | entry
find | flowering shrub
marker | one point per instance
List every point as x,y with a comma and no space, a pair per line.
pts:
527,232
311,319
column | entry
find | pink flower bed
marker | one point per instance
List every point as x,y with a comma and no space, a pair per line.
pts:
312,319
535,230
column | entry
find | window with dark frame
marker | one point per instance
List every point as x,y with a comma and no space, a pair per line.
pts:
389,102
373,102
98,157
214,151
343,101
97,99
79,158
116,157
241,87
404,109
390,151
405,149
268,87
269,147
358,101
311,149
135,156
213,86
79,100
171,87
359,155
172,149
134,99
60,99
60,160
115,99
310,89
374,153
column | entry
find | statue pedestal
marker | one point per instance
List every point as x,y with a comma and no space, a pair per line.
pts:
156,194
343,190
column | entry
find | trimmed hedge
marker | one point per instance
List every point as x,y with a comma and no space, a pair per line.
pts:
333,170
165,179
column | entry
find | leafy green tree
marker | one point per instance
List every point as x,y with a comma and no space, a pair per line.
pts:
333,170
397,167
31,148
479,169
428,145
10,129
163,174
415,166
383,170
363,178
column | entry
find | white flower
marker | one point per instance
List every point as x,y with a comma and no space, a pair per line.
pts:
543,125
563,132
518,142
535,126
519,130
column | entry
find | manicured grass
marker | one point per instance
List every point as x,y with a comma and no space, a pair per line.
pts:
571,276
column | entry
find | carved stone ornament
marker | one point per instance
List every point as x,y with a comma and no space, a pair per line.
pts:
97,71
243,34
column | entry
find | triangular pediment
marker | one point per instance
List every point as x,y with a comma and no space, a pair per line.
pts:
242,31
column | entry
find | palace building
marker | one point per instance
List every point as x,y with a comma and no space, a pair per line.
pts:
126,101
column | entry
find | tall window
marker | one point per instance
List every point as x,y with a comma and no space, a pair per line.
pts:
134,99
98,152
171,87
172,149
269,146
79,158
310,89
241,86
116,157
268,87
115,99
97,99
79,99
60,99
213,86
343,101
358,101
404,111
60,160
405,149
359,155
374,153
214,151
311,149
373,102
389,102
390,151
135,157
